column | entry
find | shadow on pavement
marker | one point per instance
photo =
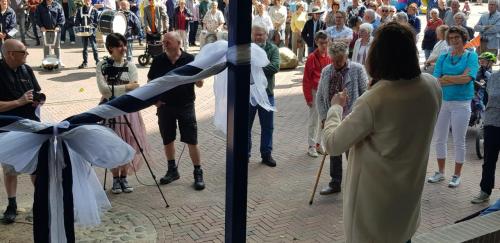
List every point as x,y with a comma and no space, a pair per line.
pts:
77,76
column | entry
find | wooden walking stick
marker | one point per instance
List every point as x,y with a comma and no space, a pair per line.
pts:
317,179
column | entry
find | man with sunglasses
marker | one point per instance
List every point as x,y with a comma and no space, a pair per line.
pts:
18,97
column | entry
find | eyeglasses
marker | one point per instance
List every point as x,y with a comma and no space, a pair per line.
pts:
385,11
24,52
339,17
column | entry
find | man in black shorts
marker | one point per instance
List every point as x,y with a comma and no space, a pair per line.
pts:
18,86
177,106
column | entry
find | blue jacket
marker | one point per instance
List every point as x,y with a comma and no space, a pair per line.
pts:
8,21
133,25
414,22
49,17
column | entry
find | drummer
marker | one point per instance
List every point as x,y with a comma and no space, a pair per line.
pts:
87,16
50,17
133,26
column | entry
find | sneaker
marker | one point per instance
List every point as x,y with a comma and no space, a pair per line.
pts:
61,65
437,177
199,184
62,42
331,189
320,149
480,198
172,175
72,43
83,65
269,161
9,216
455,181
125,187
117,187
312,152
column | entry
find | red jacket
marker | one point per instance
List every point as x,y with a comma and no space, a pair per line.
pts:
312,72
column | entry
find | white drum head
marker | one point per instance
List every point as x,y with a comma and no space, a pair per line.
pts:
120,24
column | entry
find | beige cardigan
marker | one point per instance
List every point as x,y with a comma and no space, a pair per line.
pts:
389,132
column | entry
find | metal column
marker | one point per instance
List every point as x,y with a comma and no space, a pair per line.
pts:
237,120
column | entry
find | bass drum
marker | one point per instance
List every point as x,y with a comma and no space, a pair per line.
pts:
111,21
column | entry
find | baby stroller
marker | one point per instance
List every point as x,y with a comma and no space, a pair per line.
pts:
154,47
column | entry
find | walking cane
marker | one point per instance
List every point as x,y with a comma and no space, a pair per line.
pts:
317,179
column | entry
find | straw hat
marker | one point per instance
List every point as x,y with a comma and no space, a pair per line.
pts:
316,10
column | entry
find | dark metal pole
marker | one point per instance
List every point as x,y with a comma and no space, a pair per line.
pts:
239,25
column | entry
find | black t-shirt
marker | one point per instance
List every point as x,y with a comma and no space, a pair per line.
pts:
180,95
13,85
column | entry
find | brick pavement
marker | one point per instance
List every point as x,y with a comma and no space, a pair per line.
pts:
278,209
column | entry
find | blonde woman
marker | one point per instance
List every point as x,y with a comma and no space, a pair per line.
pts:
299,19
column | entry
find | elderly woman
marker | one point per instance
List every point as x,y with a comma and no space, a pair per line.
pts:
299,19
330,15
430,36
401,18
491,139
385,14
278,14
213,21
362,45
340,32
182,16
388,149
440,47
262,17
340,76
456,71
460,19
116,44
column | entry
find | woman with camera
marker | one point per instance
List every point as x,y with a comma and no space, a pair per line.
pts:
113,80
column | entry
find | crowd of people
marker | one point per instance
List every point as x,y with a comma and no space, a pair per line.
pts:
361,102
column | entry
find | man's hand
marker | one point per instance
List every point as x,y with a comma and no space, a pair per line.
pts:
26,98
2,35
159,103
57,29
199,83
310,104
43,29
340,98
131,86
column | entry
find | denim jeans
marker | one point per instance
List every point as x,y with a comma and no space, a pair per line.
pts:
427,53
21,19
71,32
310,49
266,119
33,24
86,41
129,49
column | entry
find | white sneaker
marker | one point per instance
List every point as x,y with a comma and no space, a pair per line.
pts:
455,181
62,42
481,198
72,43
312,152
437,177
